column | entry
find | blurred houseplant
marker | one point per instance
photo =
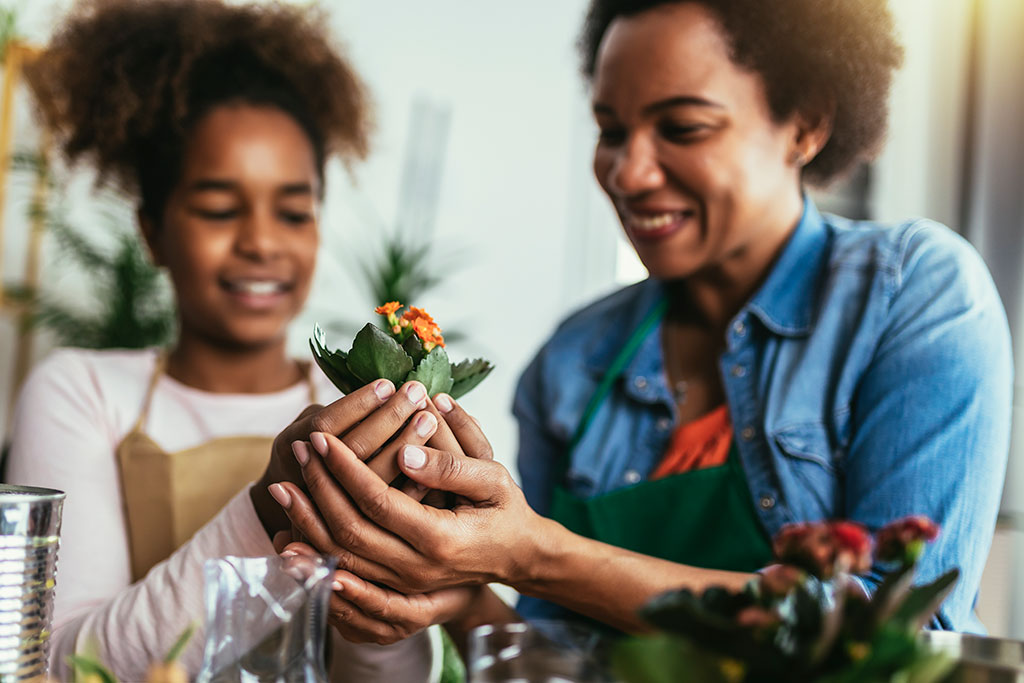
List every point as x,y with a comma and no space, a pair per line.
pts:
133,306
805,619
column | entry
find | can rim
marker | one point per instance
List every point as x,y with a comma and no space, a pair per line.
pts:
10,493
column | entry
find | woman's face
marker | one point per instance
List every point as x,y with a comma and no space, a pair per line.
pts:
239,233
699,172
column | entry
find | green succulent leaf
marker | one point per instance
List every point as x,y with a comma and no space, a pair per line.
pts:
414,347
374,354
334,364
922,601
467,375
434,371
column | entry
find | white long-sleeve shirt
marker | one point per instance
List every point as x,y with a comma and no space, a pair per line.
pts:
74,410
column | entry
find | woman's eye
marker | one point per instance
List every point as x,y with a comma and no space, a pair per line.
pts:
611,136
680,133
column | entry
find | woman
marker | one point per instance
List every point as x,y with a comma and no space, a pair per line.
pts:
779,365
217,120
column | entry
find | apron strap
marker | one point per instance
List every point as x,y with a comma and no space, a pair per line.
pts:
159,365
613,373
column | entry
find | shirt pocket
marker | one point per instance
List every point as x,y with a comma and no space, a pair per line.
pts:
807,470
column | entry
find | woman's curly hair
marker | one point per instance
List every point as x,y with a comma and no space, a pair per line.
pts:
123,81
806,51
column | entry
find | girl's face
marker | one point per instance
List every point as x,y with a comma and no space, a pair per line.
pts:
239,233
700,173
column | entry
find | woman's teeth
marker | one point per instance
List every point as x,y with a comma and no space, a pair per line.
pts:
651,223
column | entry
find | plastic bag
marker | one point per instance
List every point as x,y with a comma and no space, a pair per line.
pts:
266,619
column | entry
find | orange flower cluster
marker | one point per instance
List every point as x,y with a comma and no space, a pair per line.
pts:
388,309
425,328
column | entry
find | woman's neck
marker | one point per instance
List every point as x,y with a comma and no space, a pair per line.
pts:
718,292
230,370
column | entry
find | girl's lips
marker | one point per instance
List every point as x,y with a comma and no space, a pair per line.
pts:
655,226
257,295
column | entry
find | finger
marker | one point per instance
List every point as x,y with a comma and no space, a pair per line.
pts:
444,438
465,428
388,507
342,415
367,437
420,428
357,627
478,480
304,515
281,540
350,530
303,549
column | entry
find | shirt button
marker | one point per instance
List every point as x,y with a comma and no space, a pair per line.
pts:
663,424
739,328
640,383
747,434
631,476
738,371
767,502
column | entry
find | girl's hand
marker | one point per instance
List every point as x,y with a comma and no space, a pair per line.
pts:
366,613
382,535
366,419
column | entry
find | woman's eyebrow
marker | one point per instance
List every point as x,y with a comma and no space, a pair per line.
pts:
667,103
296,188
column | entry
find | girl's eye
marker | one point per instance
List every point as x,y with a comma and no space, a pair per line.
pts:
296,217
217,215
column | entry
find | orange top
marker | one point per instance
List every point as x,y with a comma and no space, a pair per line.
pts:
699,444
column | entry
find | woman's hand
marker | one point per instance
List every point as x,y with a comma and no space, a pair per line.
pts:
382,535
366,419
366,613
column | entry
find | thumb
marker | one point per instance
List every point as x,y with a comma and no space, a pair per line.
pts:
478,480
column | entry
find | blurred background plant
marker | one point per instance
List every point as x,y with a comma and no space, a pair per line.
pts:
130,303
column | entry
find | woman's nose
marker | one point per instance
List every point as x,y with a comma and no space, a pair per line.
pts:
636,168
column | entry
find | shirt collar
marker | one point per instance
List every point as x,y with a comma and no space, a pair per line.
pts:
785,302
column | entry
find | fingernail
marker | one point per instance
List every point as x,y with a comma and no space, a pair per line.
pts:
425,425
337,586
414,457
281,495
288,553
384,389
319,442
301,452
444,403
416,393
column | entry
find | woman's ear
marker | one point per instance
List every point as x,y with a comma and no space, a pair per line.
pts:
149,231
812,131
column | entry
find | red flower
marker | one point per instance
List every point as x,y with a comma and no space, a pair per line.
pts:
853,545
824,548
904,539
388,309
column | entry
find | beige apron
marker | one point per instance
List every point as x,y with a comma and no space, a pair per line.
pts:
169,496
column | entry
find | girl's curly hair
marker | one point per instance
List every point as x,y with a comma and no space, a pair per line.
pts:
806,52
122,82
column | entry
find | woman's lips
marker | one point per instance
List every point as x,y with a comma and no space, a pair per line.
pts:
652,226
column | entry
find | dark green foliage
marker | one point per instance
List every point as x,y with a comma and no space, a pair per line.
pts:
134,306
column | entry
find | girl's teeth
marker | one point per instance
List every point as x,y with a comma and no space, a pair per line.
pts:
259,288
653,222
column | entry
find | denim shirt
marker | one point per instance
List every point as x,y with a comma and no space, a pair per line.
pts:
868,378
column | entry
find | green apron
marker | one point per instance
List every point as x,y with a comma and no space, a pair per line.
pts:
703,518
